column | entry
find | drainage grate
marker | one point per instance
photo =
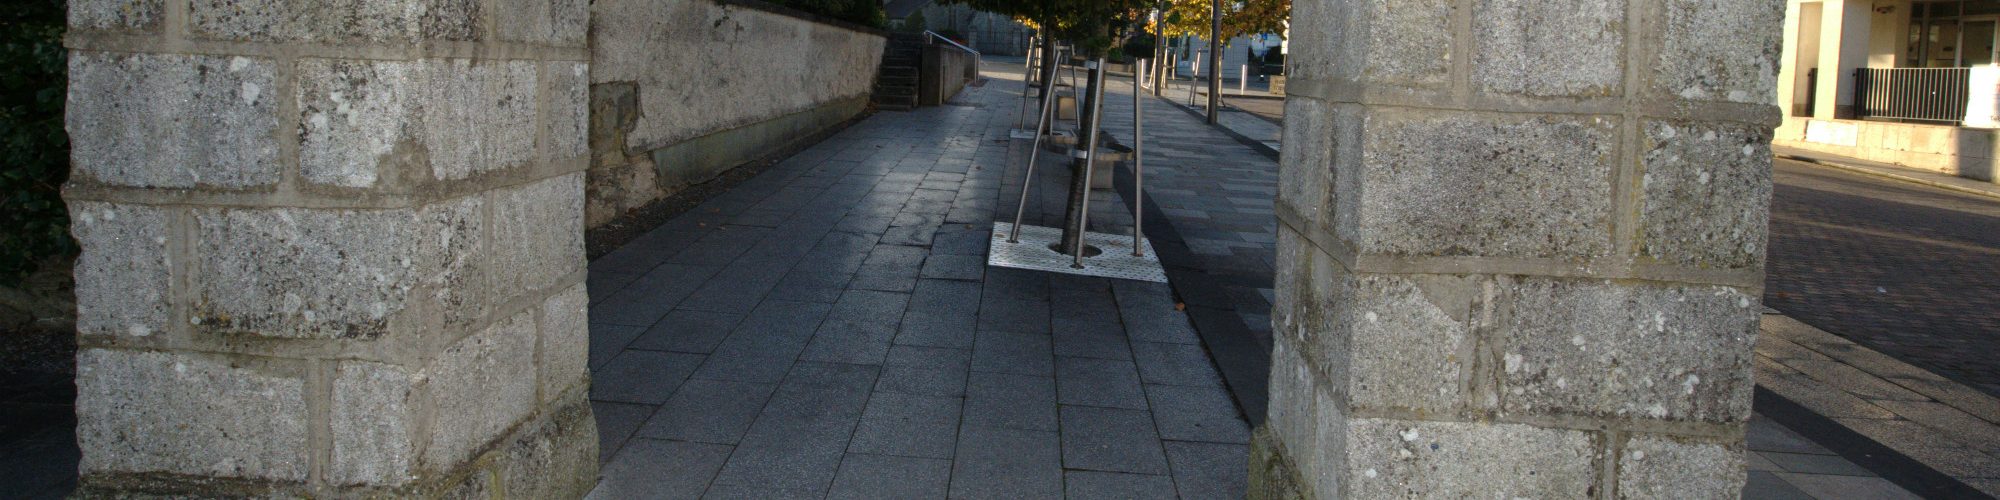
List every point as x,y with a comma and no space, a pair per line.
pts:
1032,252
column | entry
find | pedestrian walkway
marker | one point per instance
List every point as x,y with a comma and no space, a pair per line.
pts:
829,329
1890,171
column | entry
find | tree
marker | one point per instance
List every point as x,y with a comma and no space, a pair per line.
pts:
1244,17
1092,26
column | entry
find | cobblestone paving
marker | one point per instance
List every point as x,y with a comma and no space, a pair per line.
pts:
1905,269
829,329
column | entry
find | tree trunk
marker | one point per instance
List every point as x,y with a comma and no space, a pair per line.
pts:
1074,214
1214,59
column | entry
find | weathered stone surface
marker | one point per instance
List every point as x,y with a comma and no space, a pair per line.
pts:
1416,459
479,388
568,121
1406,339
154,120
122,275
1305,177
558,459
1628,350
1663,467
479,116
191,414
1720,50
565,341
548,22
357,120
1707,194
538,234
328,273
1484,185
647,42
374,425
1408,43
335,20
1550,48
116,14
1307,414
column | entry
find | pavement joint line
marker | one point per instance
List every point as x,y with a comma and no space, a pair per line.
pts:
1875,172
1794,409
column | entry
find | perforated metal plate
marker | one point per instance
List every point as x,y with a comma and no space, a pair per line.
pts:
1033,252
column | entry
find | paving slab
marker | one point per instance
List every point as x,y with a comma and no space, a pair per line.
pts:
829,328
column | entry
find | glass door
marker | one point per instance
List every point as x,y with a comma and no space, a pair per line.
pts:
1976,42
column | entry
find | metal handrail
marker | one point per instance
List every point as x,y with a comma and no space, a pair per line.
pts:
933,36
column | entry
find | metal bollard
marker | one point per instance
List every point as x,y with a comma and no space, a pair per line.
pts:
1138,167
1089,157
1242,78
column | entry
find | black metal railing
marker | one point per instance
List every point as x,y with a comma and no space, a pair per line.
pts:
1925,94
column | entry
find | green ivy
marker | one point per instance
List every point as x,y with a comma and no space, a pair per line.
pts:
34,150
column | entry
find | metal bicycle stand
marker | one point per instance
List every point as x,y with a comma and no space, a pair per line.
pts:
1089,155
1028,181
1027,79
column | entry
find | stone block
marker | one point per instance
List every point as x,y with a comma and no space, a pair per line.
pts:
1307,420
137,15
1719,50
1305,178
1626,350
173,121
373,421
123,273
1664,467
1484,185
1567,48
1407,45
335,273
1707,194
565,342
538,234
478,390
479,117
557,459
547,22
383,21
1404,339
1419,459
568,119
191,414
357,120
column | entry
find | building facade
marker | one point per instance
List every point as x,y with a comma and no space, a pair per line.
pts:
1907,82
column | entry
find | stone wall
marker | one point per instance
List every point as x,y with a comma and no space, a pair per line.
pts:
946,71
1521,248
331,248
682,90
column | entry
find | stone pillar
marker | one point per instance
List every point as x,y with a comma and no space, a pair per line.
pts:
1845,31
331,248
1521,248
